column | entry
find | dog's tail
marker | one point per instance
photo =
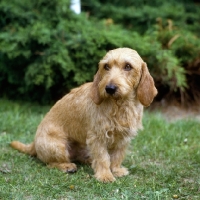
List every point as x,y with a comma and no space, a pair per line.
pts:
27,149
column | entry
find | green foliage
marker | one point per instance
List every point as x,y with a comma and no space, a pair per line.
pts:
170,30
46,49
141,15
29,47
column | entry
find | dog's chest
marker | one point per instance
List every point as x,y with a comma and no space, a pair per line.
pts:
121,122
116,138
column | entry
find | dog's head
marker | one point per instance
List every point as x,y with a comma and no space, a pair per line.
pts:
121,73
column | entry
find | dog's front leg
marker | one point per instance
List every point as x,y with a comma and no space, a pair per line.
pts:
116,156
100,159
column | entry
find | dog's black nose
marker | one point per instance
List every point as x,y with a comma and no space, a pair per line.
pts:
111,89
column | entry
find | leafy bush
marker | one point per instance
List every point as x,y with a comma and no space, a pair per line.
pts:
141,15
46,49
170,30
184,48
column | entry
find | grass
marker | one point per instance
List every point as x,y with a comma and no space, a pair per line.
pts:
164,162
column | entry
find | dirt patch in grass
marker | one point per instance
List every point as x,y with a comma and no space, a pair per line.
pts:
175,111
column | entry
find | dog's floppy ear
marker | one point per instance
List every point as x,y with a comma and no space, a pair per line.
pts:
146,90
94,93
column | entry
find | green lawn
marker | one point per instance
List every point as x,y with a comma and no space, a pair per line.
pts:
164,162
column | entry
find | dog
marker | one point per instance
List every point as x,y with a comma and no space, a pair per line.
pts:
95,122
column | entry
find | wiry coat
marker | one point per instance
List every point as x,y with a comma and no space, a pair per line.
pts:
95,122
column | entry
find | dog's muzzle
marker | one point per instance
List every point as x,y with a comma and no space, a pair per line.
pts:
111,89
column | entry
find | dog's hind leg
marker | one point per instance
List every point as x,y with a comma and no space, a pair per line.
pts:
56,155
53,150
61,159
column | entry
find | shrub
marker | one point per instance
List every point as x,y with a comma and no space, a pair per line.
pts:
141,15
171,33
46,49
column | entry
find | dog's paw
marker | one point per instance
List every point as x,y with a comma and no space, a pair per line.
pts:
69,167
105,177
65,167
119,172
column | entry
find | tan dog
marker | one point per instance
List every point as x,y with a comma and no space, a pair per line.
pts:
95,122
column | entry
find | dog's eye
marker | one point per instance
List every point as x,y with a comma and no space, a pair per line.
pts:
106,67
127,67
